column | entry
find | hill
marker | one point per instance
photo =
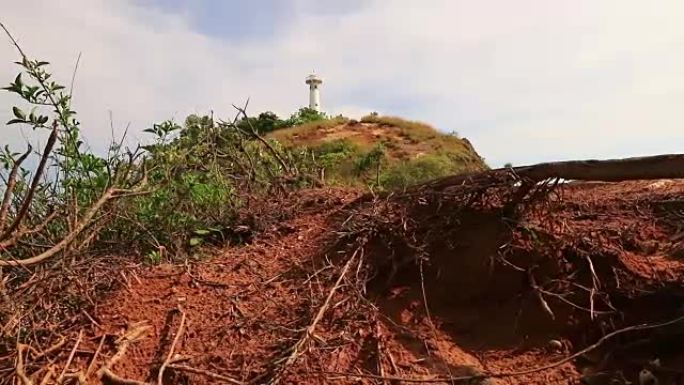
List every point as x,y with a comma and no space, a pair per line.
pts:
387,151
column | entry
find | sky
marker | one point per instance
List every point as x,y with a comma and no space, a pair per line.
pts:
525,81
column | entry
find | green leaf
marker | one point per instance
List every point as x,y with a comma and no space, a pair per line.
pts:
19,113
202,232
14,121
18,81
13,88
30,91
195,241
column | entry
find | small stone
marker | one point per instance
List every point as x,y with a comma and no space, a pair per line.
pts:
555,345
647,378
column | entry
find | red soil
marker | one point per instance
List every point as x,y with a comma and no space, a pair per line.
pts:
246,306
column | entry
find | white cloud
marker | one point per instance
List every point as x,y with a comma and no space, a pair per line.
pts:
526,81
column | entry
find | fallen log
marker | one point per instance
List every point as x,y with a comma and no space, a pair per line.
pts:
670,166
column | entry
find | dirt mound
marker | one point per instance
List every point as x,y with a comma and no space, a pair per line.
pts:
562,271
447,285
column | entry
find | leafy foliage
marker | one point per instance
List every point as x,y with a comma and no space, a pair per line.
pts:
332,154
268,121
57,202
370,160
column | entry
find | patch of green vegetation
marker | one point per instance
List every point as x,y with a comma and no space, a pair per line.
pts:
268,121
371,160
332,154
421,169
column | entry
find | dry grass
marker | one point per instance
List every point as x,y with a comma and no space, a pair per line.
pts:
412,128
291,136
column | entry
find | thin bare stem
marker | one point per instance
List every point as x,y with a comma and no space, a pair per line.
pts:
10,185
169,357
26,204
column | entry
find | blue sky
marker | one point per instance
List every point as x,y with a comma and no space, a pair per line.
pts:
246,21
525,81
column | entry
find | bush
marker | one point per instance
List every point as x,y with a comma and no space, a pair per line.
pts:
305,115
332,154
200,170
421,169
370,160
264,123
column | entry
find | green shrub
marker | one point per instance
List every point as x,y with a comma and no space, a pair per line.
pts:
333,153
268,121
421,169
371,160
190,201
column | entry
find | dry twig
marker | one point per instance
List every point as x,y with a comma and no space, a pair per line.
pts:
539,295
19,368
71,357
169,357
215,376
97,352
83,223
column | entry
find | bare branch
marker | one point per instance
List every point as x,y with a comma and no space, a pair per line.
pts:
261,139
12,240
73,75
11,183
26,204
83,223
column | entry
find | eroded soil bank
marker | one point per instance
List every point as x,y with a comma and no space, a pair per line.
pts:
421,286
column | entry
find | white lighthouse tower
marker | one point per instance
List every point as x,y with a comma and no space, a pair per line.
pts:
314,95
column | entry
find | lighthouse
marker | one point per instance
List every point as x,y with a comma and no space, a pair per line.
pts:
314,95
